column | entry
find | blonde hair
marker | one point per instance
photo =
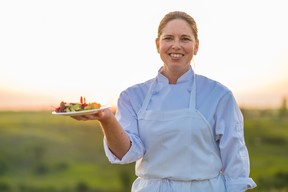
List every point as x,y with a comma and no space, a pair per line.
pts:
178,15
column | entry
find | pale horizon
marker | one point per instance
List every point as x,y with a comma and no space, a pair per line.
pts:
53,51
21,101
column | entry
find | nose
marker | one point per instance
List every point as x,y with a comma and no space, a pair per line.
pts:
176,44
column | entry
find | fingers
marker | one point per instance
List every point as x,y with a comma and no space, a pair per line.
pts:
95,116
79,118
86,117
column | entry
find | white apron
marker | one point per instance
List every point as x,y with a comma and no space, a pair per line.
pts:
181,153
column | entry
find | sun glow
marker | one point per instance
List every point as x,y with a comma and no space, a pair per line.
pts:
59,50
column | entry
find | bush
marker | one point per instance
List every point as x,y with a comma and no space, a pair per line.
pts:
82,187
41,169
4,187
3,167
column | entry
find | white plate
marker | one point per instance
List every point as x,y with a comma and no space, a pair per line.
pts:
84,112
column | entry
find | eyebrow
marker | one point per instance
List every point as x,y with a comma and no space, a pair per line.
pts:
183,35
187,36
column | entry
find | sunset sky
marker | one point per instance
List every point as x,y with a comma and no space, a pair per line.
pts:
62,49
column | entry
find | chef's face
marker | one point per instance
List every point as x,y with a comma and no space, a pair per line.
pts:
177,45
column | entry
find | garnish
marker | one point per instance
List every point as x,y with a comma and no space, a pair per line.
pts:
73,107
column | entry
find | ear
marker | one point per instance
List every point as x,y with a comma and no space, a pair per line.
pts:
196,47
157,44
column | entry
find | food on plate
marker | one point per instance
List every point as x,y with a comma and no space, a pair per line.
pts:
72,107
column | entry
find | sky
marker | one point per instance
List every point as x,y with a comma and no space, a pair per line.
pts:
59,50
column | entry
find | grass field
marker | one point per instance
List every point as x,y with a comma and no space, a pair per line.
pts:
42,152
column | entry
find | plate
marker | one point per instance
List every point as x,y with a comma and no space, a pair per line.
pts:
84,112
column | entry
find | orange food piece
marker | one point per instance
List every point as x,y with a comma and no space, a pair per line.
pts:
93,105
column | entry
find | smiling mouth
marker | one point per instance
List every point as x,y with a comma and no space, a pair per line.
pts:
176,55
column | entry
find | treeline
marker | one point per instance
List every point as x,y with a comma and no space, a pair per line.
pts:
43,153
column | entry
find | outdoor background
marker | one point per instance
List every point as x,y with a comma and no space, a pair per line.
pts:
40,152
63,49
53,51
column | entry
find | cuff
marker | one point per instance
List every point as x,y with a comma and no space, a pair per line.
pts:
133,154
239,185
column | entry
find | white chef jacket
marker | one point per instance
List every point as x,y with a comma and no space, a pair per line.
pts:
214,101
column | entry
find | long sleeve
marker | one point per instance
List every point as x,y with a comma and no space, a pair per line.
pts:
127,118
233,150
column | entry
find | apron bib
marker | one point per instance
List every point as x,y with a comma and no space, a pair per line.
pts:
179,143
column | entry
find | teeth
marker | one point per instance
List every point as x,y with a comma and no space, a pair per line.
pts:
175,55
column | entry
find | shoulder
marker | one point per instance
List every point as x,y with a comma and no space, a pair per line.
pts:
212,94
210,85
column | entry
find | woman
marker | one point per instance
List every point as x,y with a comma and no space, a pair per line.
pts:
185,131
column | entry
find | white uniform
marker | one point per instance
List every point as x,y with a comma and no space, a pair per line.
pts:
175,147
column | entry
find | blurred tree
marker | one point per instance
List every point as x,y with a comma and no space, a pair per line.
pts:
4,187
3,166
82,187
283,108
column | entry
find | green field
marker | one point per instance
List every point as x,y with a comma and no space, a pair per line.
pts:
40,152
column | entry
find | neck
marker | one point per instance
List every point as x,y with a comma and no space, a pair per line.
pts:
172,76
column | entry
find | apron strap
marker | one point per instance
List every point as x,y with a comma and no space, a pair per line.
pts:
192,104
147,98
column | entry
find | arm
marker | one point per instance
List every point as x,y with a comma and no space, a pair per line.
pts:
233,151
122,143
117,139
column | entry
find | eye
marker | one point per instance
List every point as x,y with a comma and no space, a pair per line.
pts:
167,38
186,39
